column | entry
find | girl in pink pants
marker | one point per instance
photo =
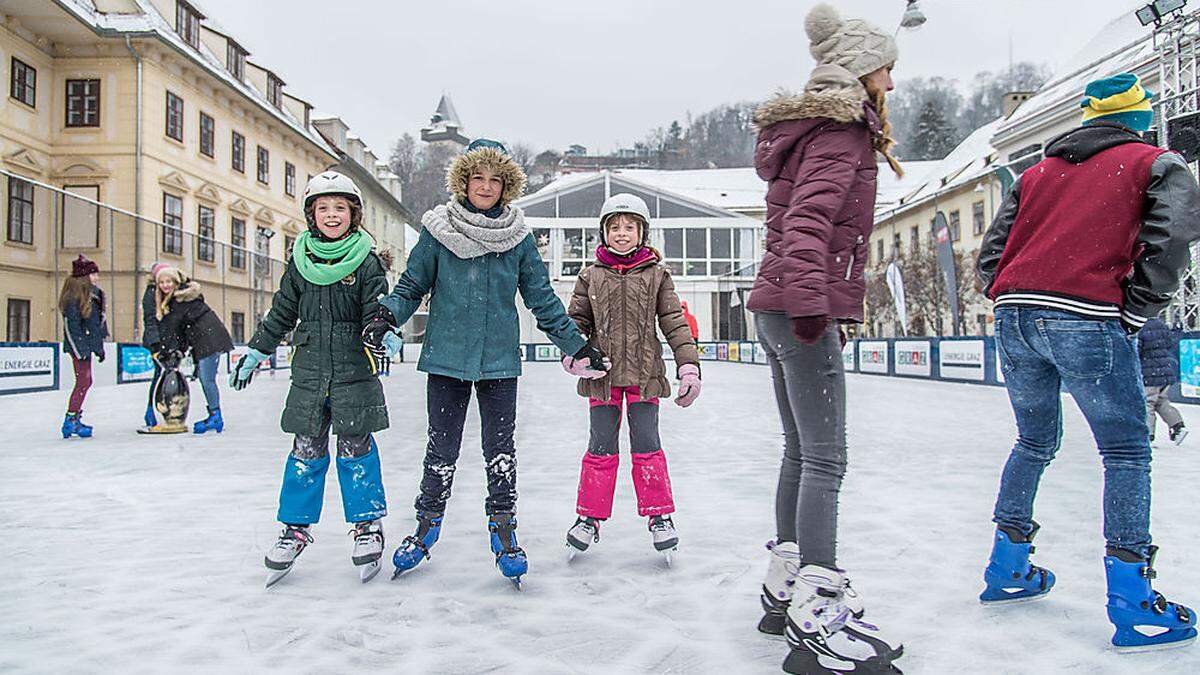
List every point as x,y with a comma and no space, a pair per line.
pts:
616,304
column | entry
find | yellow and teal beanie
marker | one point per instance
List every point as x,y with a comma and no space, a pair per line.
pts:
1121,99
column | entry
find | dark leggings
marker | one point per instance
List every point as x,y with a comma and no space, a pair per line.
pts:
83,382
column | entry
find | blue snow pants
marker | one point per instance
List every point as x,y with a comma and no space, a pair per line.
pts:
359,477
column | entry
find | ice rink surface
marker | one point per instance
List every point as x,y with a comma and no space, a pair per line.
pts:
143,554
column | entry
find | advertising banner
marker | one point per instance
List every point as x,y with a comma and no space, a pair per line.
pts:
962,360
848,356
547,353
872,357
1189,368
283,356
746,352
760,354
912,358
708,351
134,364
734,352
28,366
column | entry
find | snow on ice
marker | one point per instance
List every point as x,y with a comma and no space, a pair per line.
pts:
144,553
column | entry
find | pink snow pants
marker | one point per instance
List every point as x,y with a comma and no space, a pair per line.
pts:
598,477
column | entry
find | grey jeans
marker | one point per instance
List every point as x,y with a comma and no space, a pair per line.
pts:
810,390
1158,402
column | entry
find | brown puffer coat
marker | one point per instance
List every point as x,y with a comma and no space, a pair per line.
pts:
616,309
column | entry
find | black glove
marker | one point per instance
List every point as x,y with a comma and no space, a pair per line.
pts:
169,359
378,326
100,356
594,356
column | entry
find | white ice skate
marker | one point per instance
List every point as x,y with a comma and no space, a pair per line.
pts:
283,554
825,636
585,532
368,548
666,540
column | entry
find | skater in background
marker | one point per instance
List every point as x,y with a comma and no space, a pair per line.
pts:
817,151
331,286
617,301
1087,246
693,326
474,255
81,303
150,339
186,323
1158,350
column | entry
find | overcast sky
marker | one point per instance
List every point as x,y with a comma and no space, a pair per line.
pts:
604,72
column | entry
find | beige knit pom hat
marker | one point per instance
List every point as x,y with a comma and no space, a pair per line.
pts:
853,44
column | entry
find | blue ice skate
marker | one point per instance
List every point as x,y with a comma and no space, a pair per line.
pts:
149,418
72,426
1009,576
510,558
415,547
1143,618
213,422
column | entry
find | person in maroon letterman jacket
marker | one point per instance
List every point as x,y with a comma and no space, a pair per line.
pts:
1087,246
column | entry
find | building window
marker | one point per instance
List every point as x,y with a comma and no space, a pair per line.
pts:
274,91
288,242
235,60
914,240
695,241
24,83
208,130
18,320
205,226
83,103
172,231
237,325
955,226
264,166
239,152
174,117
289,179
577,249
673,250
262,250
878,251
187,23
20,211
237,239
977,218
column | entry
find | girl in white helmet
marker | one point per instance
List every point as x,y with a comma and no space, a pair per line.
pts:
330,287
617,301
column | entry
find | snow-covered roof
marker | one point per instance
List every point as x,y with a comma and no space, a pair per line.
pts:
446,111
1123,45
892,187
150,22
972,158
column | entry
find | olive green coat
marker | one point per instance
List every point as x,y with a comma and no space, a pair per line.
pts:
329,361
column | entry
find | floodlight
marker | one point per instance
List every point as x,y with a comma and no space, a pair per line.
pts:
913,16
1155,11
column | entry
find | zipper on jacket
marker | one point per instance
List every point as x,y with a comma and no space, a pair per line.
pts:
850,265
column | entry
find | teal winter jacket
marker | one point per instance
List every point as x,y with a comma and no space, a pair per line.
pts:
473,332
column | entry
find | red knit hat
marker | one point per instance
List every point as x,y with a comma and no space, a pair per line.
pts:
83,267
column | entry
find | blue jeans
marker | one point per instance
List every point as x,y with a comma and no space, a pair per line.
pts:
1097,363
207,369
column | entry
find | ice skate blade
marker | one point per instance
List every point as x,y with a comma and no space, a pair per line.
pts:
367,572
1013,601
516,582
1182,435
669,556
1154,648
163,429
274,576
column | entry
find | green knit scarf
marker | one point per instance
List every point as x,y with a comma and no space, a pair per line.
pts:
338,259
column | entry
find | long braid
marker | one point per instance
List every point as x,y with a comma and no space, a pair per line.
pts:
884,141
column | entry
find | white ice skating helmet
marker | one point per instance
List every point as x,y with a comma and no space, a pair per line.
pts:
331,183
624,203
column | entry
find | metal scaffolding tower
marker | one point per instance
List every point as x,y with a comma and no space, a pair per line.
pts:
1176,39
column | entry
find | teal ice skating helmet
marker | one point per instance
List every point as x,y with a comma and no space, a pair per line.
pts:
625,203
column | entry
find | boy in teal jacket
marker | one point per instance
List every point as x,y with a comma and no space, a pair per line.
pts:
474,255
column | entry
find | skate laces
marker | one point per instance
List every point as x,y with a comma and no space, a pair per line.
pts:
367,530
589,528
504,532
294,538
661,524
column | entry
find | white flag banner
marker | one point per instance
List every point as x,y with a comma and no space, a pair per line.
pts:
895,284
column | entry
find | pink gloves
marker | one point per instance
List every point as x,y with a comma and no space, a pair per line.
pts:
689,385
582,368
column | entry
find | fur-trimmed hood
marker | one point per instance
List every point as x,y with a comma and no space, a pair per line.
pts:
467,163
839,106
186,291
787,120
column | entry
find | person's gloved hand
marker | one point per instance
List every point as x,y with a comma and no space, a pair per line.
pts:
168,358
392,345
809,329
379,325
689,385
589,363
243,370
100,355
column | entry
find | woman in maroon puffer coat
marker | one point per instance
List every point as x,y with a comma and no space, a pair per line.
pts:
817,151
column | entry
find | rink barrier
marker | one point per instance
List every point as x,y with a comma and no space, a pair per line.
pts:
968,360
28,367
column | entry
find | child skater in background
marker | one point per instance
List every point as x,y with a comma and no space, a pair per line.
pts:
330,286
82,305
616,302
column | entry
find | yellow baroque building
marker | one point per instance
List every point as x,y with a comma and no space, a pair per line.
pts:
147,107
